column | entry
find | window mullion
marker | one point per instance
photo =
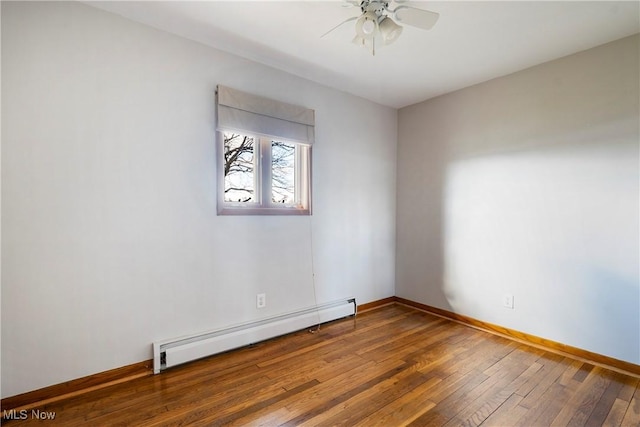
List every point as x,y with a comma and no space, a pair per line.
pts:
257,167
265,172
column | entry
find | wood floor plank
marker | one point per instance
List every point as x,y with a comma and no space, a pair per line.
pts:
234,413
488,396
390,366
546,408
632,415
403,410
327,403
519,368
589,403
544,383
309,400
448,407
583,371
629,387
552,369
506,414
579,407
365,403
616,413
604,405
567,376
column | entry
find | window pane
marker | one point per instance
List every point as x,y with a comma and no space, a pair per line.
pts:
239,168
283,173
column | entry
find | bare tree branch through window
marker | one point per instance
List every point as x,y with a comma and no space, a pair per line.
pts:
283,160
239,168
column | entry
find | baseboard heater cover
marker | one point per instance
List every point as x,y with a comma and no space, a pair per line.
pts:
169,353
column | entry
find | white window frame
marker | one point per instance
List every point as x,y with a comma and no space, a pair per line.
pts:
263,204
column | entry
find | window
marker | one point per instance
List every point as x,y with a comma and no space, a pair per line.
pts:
260,174
263,175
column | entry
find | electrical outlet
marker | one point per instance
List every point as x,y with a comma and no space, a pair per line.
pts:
261,300
507,301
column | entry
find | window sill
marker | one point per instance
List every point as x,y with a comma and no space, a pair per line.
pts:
230,210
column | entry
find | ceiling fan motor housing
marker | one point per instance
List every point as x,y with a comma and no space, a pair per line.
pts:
376,7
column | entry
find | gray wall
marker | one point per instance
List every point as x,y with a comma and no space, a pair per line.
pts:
110,236
528,185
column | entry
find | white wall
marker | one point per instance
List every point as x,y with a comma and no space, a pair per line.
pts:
110,235
529,184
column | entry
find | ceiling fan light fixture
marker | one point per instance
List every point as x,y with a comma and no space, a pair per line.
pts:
389,30
367,25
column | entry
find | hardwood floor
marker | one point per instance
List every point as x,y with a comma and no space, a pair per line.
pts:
392,366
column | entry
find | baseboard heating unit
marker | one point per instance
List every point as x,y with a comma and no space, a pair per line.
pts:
174,352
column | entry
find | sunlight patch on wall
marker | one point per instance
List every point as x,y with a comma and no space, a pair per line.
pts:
557,227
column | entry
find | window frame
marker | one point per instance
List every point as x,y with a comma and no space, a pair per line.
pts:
263,204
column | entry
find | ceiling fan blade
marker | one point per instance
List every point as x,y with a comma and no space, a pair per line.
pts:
419,18
350,3
339,25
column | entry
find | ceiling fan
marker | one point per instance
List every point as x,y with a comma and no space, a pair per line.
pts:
375,26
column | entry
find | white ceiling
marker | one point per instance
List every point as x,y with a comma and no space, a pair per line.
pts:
473,41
